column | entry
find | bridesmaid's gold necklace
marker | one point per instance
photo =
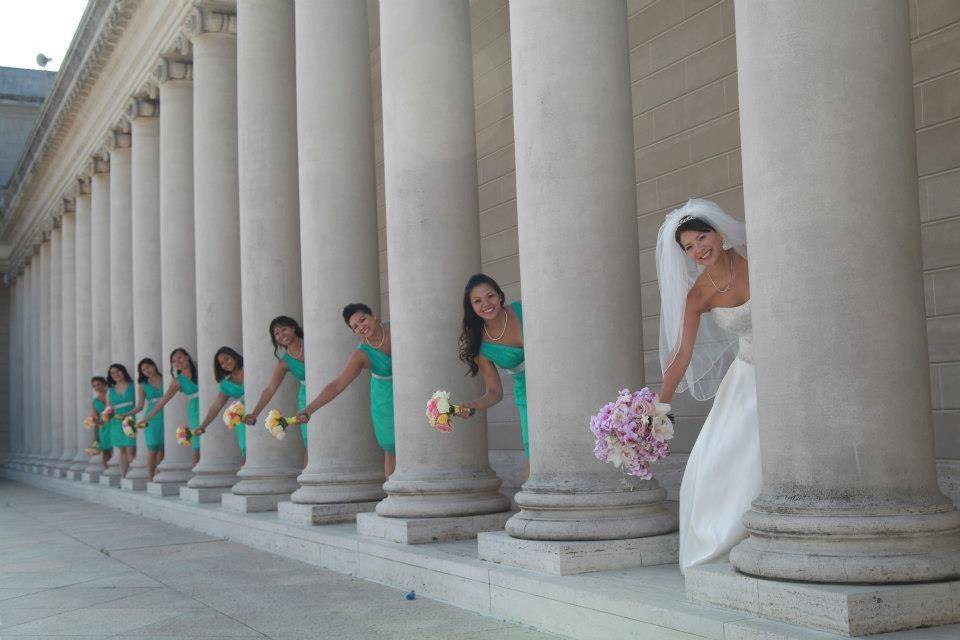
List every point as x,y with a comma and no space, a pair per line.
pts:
383,337
506,321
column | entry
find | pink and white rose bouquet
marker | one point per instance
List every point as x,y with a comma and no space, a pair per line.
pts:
107,413
234,414
440,411
632,431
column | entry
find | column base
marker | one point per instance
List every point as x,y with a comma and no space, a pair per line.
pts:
323,513
74,475
164,489
253,503
133,484
562,558
852,610
46,471
203,495
58,473
422,530
91,477
110,481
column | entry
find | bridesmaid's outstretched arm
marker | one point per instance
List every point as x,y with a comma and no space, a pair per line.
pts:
215,407
355,364
278,373
493,388
170,392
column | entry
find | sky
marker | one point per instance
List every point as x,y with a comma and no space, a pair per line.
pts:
29,27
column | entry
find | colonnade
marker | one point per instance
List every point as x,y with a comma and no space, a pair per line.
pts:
240,186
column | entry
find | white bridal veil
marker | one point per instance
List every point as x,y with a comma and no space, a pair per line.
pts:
715,348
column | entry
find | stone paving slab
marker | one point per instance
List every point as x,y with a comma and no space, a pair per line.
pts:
71,569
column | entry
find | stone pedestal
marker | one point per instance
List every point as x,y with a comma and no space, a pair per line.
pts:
431,201
426,530
133,484
576,156
164,489
177,265
338,225
203,495
269,237
216,226
91,477
563,558
852,498
108,480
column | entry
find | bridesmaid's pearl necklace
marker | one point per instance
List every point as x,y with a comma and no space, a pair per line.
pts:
383,336
506,321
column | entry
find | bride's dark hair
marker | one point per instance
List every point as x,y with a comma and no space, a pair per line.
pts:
472,334
692,224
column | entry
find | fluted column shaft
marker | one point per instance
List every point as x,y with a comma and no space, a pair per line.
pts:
45,378
145,265
850,496
269,225
177,263
55,376
217,226
34,395
68,337
84,313
100,265
121,253
338,225
14,381
431,195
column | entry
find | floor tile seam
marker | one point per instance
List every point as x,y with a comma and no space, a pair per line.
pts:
112,600
172,544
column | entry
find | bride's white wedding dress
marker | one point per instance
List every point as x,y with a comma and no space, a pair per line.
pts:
722,476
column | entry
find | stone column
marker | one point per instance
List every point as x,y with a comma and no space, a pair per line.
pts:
853,497
269,235
84,328
576,211
45,387
121,248
177,265
430,166
68,336
338,225
55,371
100,278
34,398
217,231
15,382
145,229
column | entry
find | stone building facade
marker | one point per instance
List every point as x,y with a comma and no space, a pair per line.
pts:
200,168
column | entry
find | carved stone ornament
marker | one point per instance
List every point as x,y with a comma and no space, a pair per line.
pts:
170,69
83,185
100,163
118,138
142,107
211,17
69,205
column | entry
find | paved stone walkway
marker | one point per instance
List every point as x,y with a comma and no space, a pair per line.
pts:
74,569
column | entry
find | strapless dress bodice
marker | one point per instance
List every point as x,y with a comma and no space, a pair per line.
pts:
737,320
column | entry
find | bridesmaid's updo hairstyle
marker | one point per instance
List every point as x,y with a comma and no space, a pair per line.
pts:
193,365
218,372
141,377
472,334
690,223
100,379
353,308
284,321
122,369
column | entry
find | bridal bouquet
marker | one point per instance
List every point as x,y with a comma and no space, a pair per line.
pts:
89,422
632,432
93,449
107,413
184,435
277,424
234,414
440,411
129,426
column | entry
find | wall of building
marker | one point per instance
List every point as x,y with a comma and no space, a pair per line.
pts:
21,95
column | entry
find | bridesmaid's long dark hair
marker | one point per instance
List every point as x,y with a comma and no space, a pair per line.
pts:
218,372
141,376
472,334
284,321
193,365
122,369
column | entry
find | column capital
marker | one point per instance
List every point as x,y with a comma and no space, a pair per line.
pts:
173,69
83,185
69,204
211,16
99,163
143,107
119,137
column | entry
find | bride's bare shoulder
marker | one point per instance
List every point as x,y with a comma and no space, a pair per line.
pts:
698,298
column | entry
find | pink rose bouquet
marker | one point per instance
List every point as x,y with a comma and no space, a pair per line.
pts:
440,411
632,431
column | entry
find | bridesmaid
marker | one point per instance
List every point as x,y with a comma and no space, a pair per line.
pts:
184,372
493,337
228,372
99,404
285,332
149,393
372,353
122,397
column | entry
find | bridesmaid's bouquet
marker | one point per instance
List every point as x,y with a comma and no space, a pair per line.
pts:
277,424
234,414
89,422
129,426
632,432
184,435
440,411
107,413
93,449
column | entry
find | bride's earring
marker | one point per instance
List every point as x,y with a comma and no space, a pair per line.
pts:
725,245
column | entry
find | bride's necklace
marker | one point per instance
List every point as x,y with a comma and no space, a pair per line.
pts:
383,336
733,277
506,321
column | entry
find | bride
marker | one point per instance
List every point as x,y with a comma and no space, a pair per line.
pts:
705,347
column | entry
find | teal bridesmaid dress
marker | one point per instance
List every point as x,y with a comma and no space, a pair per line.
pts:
190,389
121,404
511,360
103,431
381,397
234,391
299,371
153,435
